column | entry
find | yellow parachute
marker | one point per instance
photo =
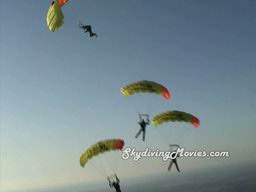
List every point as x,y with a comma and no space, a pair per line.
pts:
55,16
100,147
175,116
145,87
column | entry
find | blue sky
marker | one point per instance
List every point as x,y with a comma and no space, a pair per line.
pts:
60,92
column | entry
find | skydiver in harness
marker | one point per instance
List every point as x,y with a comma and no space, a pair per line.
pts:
143,125
174,155
87,28
115,184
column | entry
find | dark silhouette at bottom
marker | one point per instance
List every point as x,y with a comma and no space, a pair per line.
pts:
174,161
115,184
174,148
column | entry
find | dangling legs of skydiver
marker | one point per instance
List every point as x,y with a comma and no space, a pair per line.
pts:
170,165
93,34
177,167
138,134
176,164
144,133
90,32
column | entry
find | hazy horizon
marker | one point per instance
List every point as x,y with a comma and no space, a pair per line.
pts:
239,177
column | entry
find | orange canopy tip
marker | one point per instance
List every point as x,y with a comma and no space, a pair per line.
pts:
120,144
62,2
166,94
196,122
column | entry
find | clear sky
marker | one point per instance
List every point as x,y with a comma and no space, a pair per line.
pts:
60,92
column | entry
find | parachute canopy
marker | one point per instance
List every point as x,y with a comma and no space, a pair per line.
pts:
100,147
55,16
175,116
145,87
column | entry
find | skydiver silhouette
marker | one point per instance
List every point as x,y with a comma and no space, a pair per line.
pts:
115,184
87,28
143,124
174,155
175,162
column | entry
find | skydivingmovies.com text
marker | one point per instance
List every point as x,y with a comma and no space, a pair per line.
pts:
166,155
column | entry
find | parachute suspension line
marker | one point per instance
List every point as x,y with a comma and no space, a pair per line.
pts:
98,165
152,104
103,165
167,134
132,106
80,25
131,102
92,166
107,159
116,162
164,138
136,110
177,135
188,137
137,107
148,104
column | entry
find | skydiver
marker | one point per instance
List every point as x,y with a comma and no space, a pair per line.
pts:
87,28
115,184
174,155
143,125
